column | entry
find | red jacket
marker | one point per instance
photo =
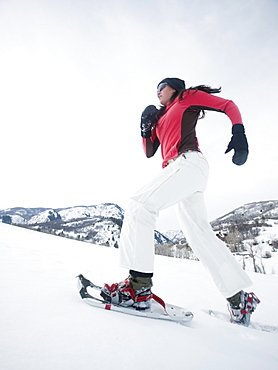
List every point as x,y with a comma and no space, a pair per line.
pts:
175,130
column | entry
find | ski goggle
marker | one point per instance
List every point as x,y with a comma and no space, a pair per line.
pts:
161,86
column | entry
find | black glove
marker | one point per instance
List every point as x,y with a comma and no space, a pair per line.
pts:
148,119
239,144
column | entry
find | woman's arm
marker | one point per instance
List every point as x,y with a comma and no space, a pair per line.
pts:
151,145
206,101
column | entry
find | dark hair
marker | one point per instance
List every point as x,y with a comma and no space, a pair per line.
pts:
207,89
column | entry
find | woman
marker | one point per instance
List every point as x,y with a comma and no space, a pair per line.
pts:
181,182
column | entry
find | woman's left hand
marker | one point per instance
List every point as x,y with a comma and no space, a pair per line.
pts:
239,144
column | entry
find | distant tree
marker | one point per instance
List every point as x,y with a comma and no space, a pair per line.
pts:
274,245
6,219
234,240
252,249
165,249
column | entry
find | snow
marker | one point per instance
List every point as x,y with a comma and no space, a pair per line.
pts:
46,326
43,216
103,209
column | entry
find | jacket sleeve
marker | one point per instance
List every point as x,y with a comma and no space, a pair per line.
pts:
207,101
151,145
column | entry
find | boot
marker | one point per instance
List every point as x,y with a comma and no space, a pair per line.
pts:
135,291
241,306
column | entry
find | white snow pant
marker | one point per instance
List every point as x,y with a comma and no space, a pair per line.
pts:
181,183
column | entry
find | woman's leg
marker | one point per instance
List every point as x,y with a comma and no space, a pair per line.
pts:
180,179
226,272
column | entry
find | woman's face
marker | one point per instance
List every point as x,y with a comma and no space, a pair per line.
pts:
164,93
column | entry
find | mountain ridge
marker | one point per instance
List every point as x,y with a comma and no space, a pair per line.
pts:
98,224
101,223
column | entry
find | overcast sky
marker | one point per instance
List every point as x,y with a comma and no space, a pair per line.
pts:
75,76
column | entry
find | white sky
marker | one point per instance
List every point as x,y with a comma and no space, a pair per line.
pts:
75,76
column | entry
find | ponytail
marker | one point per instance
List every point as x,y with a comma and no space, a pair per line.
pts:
205,88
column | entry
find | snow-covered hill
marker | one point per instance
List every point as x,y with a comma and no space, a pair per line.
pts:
31,216
99,224
250,211
46,326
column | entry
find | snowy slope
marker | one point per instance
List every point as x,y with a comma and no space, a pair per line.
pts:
250,211
46,326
